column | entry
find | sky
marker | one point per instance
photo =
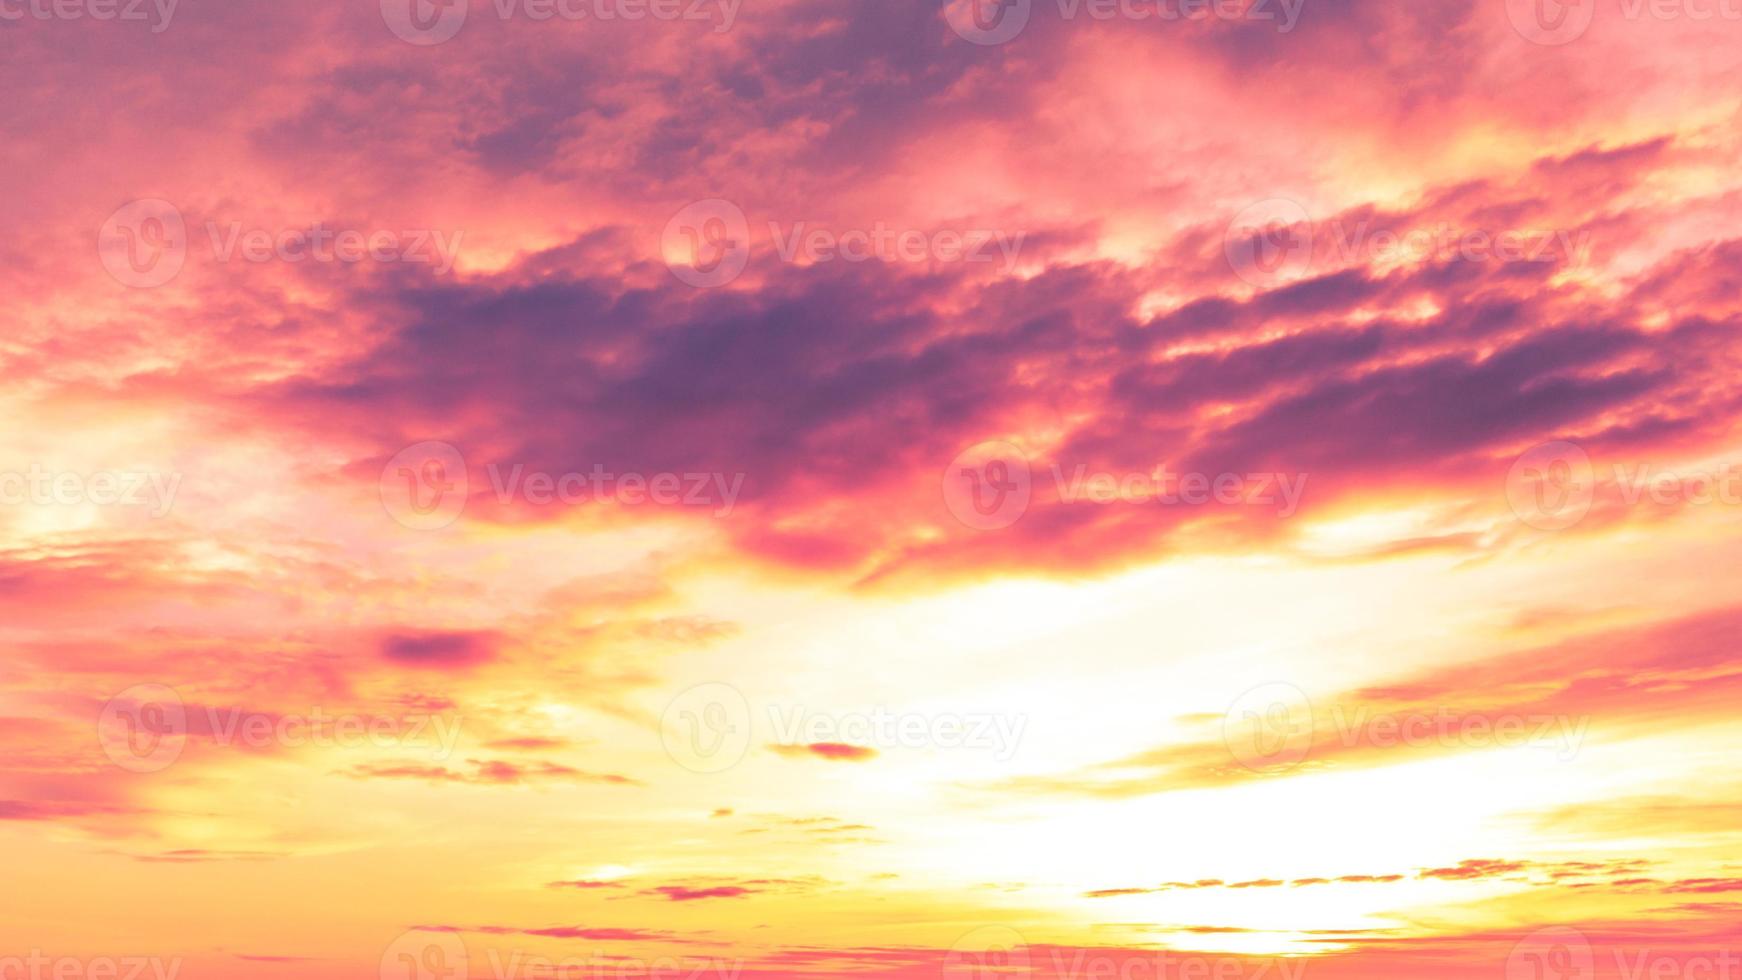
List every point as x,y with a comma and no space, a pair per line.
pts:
772,490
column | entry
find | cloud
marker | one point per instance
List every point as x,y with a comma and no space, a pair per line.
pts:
1477,868
441,651
55,810
585,885
488,772
832,751
592,934
1627,678
680,893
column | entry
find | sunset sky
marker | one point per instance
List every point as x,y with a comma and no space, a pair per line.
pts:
803,489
